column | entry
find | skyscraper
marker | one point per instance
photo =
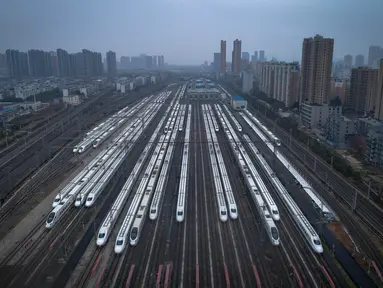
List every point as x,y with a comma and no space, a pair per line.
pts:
374,53
111,63
246,56
36,60
161,62
236,62
223,56
62,63
17,64
379,94
154,62
217,62
362,96
316,66
254,58
359,60
348,60
262,55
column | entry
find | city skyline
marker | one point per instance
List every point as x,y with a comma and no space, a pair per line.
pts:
281,38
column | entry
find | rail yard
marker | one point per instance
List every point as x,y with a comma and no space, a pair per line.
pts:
169,192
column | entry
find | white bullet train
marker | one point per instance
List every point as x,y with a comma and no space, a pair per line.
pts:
217,178
182,189
269,224
233,212
114,212
303,224
266,131
236,123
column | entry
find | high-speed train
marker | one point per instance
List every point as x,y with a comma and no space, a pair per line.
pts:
270,227
266,131
216,176
303,224
233,212
114,212
180,211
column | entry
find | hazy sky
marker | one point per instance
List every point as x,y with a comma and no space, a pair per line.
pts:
189,31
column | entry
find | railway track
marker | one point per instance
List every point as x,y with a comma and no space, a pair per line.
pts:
16,168
62,162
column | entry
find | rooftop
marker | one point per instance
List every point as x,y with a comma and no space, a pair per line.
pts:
238,98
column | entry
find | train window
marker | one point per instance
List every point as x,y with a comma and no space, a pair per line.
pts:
101,235
119,242
233,210
51,216
133,234
89,199
179,213
316,242
274,233
267,216
275,212
223,212
153,211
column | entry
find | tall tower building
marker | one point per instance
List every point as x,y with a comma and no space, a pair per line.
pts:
316,67
236,62
36,60
154,62
348,60
223,56
217,62
62,63
362,96
359,60
374,53
111,63
17,64
262,56
254,58
379,94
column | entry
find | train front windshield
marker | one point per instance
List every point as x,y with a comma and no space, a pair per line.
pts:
51,216
133,234
274,233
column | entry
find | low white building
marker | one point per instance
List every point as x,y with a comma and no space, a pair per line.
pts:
315,115
238,103
84,90
72,99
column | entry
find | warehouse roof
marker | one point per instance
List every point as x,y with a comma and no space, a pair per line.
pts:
237,98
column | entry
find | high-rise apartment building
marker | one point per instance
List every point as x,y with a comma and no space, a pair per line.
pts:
262,56
217,62
362,96
236,55
339,88
154,62
379,94
125,62
37,63
161,61
111,63
359,60
348,60
316,66
246,56
374,53
280,81
254,58
62,63
17,63
223,56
